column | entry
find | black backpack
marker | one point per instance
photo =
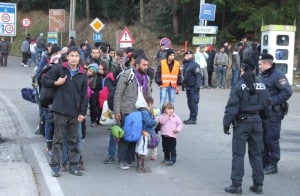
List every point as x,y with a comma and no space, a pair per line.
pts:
46,94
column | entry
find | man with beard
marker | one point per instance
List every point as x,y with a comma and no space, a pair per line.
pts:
126,95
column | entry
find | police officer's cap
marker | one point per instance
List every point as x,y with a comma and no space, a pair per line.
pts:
188,52
266,57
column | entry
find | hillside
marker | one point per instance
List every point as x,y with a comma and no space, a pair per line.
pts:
144,38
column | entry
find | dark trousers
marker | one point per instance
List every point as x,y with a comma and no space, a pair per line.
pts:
250,131
169,148
3,59
126,150
209,74
68,125
271,154
193,97
25,57
94,110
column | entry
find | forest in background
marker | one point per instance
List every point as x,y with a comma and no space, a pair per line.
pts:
175,18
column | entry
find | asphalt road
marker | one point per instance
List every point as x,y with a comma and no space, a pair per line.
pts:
204,152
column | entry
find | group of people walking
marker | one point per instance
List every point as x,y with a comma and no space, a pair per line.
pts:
255,107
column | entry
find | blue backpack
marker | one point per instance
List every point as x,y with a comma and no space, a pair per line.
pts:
133,127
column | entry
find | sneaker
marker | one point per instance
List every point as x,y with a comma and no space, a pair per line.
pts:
24,65
190,122
74,169
123,165
109,160
169,163
55,171
163,162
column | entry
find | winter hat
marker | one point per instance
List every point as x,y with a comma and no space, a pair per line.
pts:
169,52
54,49
94,67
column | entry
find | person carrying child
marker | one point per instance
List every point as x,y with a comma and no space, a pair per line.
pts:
149,124
170,126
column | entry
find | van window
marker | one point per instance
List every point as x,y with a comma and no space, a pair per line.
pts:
282,40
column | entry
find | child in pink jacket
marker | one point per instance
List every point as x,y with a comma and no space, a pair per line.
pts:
171,125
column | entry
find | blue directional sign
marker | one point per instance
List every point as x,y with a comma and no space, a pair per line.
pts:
8,12
97,37
207,12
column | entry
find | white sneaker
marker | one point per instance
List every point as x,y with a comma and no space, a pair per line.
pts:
25,65
123,165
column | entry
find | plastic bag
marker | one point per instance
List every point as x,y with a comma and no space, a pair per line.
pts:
107,116
140,102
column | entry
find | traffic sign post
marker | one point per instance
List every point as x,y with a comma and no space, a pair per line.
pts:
125,40
207,12
97,37
97,25
166,41
26,22
8,15
206,29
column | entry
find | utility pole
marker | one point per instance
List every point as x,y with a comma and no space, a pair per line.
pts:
72,31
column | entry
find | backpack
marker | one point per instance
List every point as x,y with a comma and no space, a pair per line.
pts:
104,92
133,127
110,99
46,93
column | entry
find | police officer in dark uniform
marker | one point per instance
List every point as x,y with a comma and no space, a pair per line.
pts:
247,105
192,83
280,91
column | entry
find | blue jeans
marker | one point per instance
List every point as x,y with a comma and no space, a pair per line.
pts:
39,52
49,126
64,156
112,146
163,95
235,76
221,75
33,59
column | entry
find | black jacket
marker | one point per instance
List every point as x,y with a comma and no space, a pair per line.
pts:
241,102
71,98
191,74
277,85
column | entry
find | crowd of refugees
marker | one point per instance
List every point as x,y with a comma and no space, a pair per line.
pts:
93,78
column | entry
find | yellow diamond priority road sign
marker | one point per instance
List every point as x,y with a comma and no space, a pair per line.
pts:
97,25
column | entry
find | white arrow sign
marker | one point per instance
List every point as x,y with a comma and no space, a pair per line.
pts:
206,29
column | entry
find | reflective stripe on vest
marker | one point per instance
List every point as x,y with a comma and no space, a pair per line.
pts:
168,78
